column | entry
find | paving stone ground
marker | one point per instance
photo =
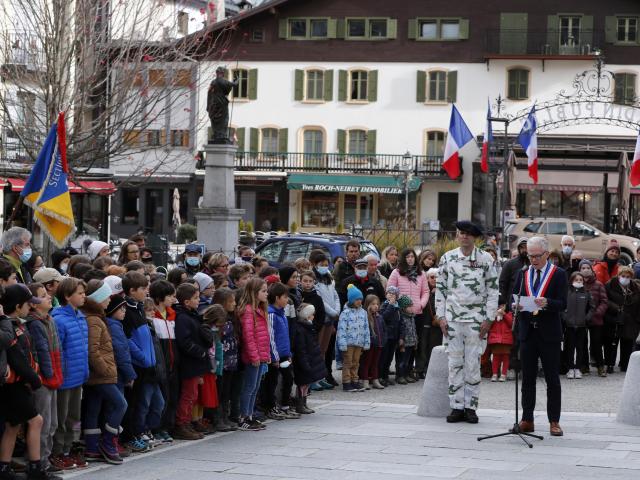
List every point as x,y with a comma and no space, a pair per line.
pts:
359,437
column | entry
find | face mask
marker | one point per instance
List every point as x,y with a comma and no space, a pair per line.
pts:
147,260
624,281
323,270
26,255
578,285
192,261
247,259
567,250
64,267
361,273
586,273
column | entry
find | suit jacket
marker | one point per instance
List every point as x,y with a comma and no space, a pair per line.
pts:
548,319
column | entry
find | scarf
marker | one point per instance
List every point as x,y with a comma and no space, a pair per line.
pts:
412,274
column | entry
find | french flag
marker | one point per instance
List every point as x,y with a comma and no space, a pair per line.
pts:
486,142
458,136
528,139
635,165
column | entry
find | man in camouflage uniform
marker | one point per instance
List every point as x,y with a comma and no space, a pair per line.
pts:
466,304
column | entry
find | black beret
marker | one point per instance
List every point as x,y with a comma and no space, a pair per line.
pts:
470,228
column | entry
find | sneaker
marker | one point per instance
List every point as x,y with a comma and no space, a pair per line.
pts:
401,381
331,381
257,423
456,416
602,372
62,462
571,374
384,382
503,378
390,382
577,373
316,387
289,413
470,415
137,445
109,452
347,387
40,474
8,474
494,378
410,379
366,385
326,385
163,436
92,456
149,439
79,460
274,414
357,387
247,426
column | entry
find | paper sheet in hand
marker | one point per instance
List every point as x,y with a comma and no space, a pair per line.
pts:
528,304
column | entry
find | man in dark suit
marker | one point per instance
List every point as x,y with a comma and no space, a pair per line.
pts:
540,332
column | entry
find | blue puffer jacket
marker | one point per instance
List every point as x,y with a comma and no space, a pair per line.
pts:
74,343
121,351
280,325
136,328
353,329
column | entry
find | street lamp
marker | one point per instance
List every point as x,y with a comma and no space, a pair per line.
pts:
407,170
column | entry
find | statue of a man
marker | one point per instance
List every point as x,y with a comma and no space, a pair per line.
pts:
218,106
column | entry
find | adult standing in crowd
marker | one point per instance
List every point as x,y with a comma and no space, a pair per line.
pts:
567,245
600,304
510,271
192,259
431,334
389,261
372,270
128,252
361,279
623,317
60,261
540,333
466,304
16,248
347,268
218,263
608,267
412,282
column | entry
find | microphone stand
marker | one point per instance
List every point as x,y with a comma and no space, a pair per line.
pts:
515,430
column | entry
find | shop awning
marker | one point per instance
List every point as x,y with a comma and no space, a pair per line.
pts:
350,183
82,186
16,184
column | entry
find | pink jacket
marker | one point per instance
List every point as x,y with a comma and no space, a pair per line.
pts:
418,292
255,337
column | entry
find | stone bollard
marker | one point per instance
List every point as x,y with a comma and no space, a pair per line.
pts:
434,401
629,409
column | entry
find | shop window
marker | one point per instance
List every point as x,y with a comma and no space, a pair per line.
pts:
241,90
518,79
627,31
391,210
437,86
180,138
130,206
357,142
358,85
435,143
269,140
319,210
625,88
315,85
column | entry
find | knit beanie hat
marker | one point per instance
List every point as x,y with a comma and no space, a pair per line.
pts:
203,280
393,291
305,311
405,301
286,273
94,249
585,262
353,294
116,302
271,279
613,244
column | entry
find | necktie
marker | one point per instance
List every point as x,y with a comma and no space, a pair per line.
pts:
536,284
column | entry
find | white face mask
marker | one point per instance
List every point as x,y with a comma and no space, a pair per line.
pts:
624,281
578,285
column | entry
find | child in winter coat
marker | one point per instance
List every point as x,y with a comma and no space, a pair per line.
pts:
500,342
407,342
46,347
255,350
280,367
194,360
205,284
352,338
115,312
576,318
230,384
308,363
371,358
74,340
392,322
310,296
102,396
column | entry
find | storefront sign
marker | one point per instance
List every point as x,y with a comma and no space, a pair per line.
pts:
388,184
350,189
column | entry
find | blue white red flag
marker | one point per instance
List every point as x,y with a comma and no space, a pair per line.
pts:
459,135
528,139
486,142
635,165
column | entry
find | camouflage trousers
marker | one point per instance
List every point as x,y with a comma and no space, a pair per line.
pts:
464,348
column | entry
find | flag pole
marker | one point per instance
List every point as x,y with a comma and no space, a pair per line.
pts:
14,212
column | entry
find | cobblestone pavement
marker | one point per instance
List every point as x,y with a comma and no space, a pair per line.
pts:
361,439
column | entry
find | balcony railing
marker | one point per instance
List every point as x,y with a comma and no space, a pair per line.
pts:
543,43
361,164
13,150
24,50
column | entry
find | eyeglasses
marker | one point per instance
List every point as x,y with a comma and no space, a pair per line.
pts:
537,257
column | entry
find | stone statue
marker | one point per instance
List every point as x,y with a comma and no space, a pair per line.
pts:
218,106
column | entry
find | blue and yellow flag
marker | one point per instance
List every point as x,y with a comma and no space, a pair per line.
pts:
46,190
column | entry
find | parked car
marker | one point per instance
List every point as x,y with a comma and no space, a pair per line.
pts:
289,247
589,240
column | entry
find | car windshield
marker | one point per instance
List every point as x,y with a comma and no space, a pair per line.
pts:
367,247
509,227
532,227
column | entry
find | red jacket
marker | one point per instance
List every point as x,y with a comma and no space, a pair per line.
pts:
256,346
602,272
500,333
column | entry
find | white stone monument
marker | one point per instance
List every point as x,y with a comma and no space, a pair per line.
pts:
629,409
434,400
217,219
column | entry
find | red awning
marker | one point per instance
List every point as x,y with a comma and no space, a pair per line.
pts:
17,184
89,186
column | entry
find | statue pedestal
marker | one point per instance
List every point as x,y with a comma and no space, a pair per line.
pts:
629,409
434,401
217,220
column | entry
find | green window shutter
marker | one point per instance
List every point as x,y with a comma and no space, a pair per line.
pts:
254,139
240,138
342,141
586,30
413,29
332,28
611,29
553,38
371,142
372,86
452,86
298,94
341,28
283,28
283,140
392,28
421,90
253,84
342,85
513,33
328,85
464,28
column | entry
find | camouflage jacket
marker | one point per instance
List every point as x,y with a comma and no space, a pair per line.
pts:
467,287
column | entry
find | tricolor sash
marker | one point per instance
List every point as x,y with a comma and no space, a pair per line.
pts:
545,279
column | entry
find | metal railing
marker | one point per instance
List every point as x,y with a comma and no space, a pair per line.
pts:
546,43
12,149
23,49
368,164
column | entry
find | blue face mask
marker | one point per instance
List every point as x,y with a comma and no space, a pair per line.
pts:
323,270
26,254
361,273
192,261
